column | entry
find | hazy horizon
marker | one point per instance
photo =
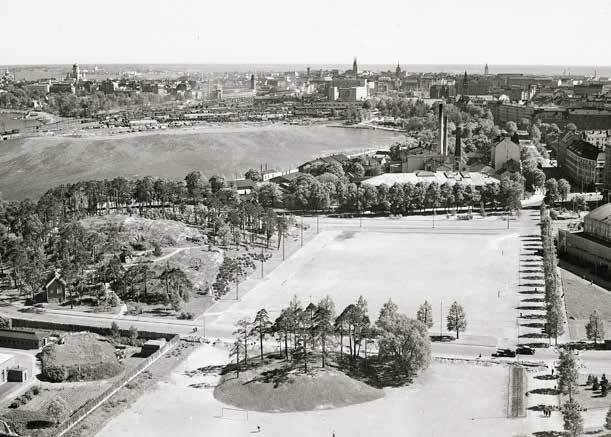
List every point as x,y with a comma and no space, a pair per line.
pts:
471,32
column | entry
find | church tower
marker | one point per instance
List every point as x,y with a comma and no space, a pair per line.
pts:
486,70
398,70
355,68
465,83
253,83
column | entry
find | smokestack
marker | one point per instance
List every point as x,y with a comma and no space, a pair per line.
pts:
445,135
458,149
440,115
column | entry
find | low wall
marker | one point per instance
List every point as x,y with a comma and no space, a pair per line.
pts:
51,326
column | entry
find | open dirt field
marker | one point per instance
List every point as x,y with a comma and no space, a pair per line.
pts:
407,268
433,406
30,166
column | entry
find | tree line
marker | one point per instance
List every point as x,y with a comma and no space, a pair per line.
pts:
304,334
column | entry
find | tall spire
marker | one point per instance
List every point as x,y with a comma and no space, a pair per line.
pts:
355,68
486,70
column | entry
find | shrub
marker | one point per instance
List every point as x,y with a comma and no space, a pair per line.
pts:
595,385
135,309
16,403
604,390
114,329
133,333
35,390
113,299
186,315
553,214
157,249
27,396
55,373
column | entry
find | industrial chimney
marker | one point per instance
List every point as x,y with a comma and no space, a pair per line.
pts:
441,131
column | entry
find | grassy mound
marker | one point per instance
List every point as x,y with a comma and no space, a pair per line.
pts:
278,388
81,357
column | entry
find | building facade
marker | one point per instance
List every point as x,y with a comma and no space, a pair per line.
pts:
504,151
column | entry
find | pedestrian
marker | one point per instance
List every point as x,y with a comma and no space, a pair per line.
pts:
258,428
552,371
544,411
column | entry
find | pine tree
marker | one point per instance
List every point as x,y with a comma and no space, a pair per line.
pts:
457,319
425,314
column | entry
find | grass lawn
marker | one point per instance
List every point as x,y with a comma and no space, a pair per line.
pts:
478,271
581,298
588,398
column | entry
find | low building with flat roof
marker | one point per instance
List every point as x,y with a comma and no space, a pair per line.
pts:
441,177
21,339
6,362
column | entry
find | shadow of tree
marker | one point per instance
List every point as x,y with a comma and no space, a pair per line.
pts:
546,377
548,434
533,325
534,299
545,391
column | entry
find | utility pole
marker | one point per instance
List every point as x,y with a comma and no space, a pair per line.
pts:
301,229
261,260
441,322
283,239
507,219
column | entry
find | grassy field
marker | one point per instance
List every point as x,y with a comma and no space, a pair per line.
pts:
478,271
30,166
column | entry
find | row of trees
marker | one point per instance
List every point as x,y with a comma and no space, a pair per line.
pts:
316,329
322,192
567,384
554,318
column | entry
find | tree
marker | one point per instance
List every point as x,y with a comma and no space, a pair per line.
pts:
425,314
323,323
243,333
253,175
554,322
261,327
551,191
237,349
405,340
567,372
58,409
457,320
595,328
511,127
571,416
608,419
564,188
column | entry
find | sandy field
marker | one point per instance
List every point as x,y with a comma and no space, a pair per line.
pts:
433,406
478,271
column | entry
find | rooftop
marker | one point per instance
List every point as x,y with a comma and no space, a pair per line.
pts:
441,177
601,214
5,357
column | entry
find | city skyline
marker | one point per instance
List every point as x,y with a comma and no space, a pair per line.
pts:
324,34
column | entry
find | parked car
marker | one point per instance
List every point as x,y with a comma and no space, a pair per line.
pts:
504,353
525,350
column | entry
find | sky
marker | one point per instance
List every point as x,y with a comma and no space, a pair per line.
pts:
523,32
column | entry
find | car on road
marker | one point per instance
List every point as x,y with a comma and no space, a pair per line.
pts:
525,350
504,353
